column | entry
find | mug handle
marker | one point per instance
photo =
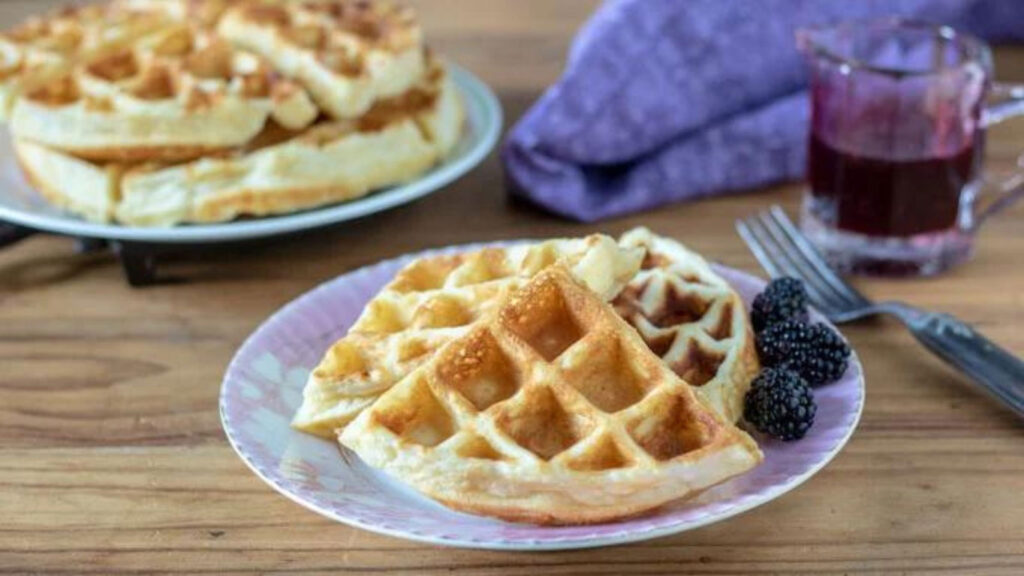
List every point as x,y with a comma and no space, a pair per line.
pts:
1005,101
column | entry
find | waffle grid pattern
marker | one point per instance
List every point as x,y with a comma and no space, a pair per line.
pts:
177,74
550,381
44,47
347,53
431,302
692,319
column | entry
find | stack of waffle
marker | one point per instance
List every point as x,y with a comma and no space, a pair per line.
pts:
569,381
161,112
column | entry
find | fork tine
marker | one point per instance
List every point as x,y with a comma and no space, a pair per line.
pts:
785,254
815,259
817,287
760,253
770,257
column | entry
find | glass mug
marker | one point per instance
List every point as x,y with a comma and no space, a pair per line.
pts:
898,117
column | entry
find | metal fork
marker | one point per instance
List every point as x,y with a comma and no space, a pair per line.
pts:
785,251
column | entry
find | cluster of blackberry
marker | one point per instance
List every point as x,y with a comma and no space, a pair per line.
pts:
797,356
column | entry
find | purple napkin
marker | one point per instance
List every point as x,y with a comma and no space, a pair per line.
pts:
669,100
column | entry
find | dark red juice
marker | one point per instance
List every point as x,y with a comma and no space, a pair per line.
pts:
887,197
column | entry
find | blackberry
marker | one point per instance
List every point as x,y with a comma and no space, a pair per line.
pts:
783,299
814,351
780,404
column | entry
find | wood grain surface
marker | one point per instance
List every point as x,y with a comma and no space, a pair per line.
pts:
112,459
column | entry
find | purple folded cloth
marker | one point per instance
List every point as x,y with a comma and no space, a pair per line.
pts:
666,100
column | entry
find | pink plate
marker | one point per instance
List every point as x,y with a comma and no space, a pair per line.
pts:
263,388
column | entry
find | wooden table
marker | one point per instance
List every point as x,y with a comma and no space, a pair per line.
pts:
112,458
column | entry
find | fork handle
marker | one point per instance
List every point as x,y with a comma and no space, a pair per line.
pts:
997,371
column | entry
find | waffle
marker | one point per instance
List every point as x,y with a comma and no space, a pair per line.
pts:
348,54
178,93
429,303
203,13
330,162
692,319
45,47
75,185
550,410
154,113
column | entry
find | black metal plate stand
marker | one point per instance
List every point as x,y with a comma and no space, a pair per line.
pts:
139,261
11,233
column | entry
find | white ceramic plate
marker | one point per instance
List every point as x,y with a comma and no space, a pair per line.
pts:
263,388
19,203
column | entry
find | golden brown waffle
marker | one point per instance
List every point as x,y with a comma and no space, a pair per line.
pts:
692,319
279,172
177,93
550,410
203,13
432,301
348,54
89,190
141,111
44,47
